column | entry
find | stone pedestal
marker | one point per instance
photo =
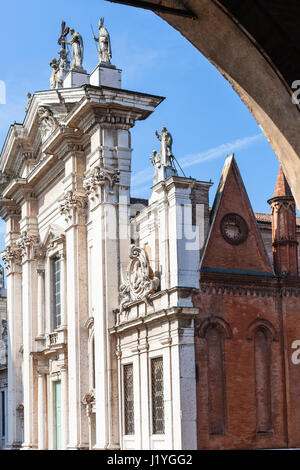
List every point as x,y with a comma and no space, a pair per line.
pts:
106,76
74,79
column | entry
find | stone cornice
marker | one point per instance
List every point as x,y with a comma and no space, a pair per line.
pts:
13,186
9,208
61,113
154,317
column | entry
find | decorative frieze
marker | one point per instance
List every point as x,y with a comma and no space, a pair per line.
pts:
139,285
249,291
117,120
99,177
283,205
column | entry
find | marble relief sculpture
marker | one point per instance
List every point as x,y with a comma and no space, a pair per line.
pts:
104,45
138,285
47,122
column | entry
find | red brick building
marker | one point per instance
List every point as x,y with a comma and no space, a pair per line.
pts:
248,376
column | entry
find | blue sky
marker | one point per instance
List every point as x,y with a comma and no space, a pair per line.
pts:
205,116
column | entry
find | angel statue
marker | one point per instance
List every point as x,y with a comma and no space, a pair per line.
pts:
104,48
77,50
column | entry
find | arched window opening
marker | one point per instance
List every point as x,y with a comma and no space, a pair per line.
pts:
216,379
262,354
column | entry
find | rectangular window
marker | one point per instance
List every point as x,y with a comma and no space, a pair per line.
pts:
128,399
56,292
157,386
3,414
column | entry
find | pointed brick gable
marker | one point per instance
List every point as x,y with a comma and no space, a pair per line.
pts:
234,243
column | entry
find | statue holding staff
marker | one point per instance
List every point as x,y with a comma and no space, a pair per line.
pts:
104,45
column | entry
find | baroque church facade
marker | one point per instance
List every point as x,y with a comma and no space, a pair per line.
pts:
136,324
3,361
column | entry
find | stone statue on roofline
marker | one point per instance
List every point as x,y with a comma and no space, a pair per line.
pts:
60,69
104,44
63,67
53,79
163,161
76,42
166,146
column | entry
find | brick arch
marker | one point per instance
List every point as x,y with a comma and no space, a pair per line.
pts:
262,325
214,321
263,337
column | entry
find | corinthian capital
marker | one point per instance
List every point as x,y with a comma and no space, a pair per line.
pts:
26,242
98,177
12,254
72,204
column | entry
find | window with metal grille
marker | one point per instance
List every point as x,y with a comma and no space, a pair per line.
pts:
128,399
157,382
56,292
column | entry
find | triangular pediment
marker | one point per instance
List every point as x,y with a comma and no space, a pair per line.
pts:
54,233
234,243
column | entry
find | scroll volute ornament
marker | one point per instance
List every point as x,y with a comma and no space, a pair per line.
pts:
139,284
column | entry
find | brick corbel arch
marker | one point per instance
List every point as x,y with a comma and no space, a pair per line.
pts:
214,321
261,324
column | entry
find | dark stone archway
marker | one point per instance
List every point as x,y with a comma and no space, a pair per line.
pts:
255,44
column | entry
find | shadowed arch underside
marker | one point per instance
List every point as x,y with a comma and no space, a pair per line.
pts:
255,46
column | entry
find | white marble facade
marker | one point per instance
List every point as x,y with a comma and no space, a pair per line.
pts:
96,280
3,362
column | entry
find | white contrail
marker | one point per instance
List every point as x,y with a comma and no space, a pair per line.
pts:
221,150
193,159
